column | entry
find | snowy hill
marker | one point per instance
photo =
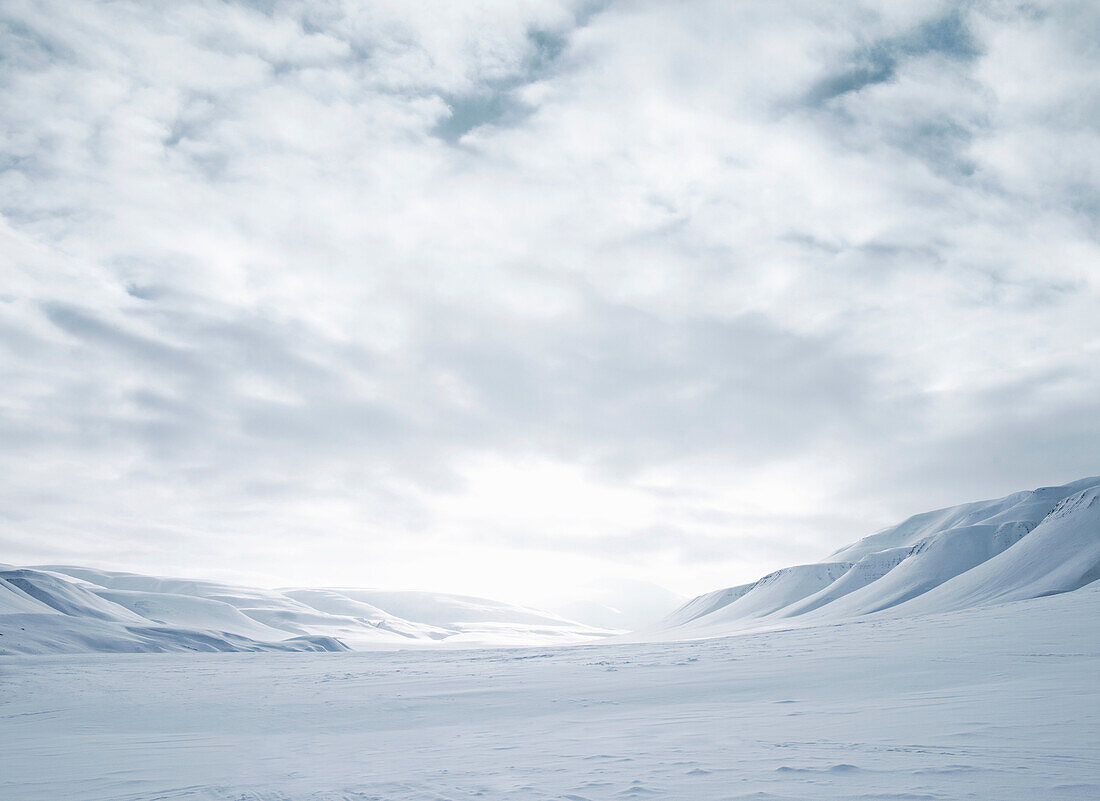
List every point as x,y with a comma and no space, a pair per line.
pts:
1026,545
64,609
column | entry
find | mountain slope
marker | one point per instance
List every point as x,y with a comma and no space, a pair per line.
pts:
1061,555
65,609
1025,545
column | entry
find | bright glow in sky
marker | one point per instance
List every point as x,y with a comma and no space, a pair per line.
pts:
530,299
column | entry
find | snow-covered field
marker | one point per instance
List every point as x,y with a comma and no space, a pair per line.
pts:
953,656
1000,702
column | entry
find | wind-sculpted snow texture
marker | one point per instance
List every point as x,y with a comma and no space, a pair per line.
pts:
60,609
997,702
1027,545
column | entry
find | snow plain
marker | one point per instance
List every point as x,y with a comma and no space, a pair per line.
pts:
953,656
996,702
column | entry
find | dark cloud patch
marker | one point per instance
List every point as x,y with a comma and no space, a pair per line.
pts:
495,102
490,106
878,62
97,332
28,45
939,135
1084,199
948,36
143,292
942,144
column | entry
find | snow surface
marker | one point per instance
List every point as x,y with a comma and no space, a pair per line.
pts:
992,702
952,656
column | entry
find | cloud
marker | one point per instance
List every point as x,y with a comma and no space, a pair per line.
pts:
440,297
879,61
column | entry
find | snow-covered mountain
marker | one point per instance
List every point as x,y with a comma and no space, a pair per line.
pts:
1026,545
61,609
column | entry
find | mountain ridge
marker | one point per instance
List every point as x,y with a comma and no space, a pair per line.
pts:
1027,544
69,609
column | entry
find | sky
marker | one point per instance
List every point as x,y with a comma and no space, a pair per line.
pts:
536,300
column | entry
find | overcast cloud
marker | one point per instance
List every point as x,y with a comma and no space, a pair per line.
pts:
517,298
